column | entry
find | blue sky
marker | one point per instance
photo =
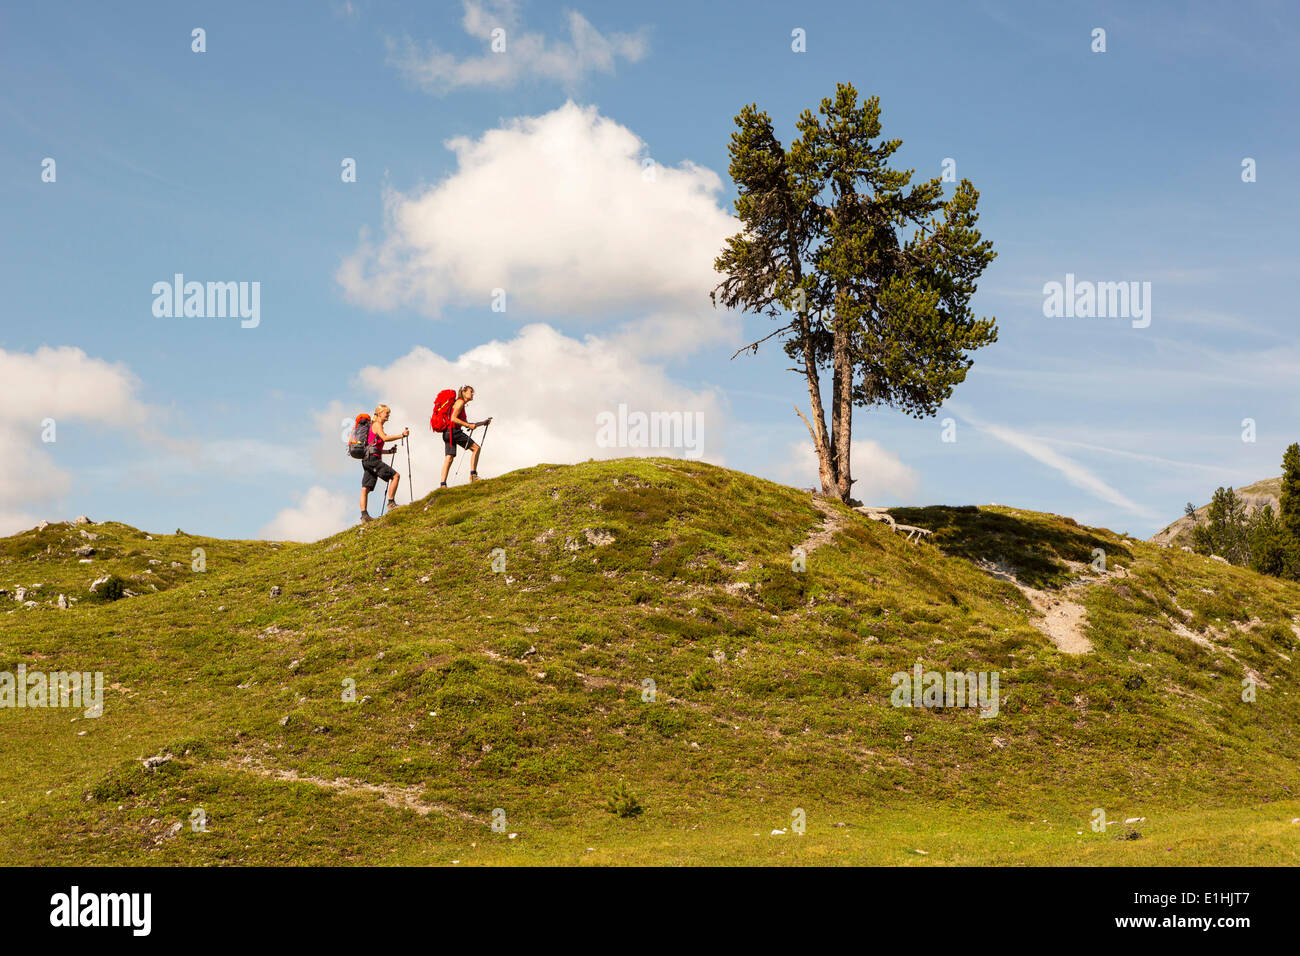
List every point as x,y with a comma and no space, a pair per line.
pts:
225,166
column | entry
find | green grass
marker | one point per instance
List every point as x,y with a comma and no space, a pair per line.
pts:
529,690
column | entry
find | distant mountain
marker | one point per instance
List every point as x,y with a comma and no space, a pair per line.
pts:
1261,493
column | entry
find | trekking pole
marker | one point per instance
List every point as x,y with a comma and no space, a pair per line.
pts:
455,472
409,487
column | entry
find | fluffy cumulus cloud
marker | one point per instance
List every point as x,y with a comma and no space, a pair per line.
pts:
568,215
513,54
552,398
44,391
319,513
881,477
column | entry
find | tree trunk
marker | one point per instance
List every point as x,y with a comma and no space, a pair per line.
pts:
824,446
842,411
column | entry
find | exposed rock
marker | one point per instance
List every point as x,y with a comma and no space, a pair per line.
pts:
153,763
275,590
63,603
82,519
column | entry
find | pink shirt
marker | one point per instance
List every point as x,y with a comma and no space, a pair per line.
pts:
376,441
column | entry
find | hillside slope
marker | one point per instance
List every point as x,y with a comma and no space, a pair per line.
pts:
68,558
1178,533
526,690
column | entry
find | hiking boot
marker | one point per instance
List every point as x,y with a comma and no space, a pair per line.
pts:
365,516
443,485
391,505
473,476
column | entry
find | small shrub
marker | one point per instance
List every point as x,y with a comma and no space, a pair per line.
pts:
623,803
114,589
701,681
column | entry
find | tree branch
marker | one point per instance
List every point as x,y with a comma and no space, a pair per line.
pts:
811,433
753,346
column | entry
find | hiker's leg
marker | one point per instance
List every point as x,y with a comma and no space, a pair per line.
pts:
446,467
392,485
365,495
473,461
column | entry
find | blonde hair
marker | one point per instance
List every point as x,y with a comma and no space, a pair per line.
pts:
463,390
380,409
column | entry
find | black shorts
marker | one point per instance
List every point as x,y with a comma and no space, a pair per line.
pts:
375,469
456,437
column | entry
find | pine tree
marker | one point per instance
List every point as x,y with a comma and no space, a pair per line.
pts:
1268,550
1224,530
873,275
1289,510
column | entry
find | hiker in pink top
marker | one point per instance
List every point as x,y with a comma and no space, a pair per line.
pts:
373,467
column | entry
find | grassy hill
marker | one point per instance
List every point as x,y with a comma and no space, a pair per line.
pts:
66,558
525,689
1256,495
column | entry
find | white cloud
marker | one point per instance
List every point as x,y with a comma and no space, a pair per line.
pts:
66,385
318,514
880,476
557,211
525,55
543,390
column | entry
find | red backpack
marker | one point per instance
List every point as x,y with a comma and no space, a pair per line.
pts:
440,420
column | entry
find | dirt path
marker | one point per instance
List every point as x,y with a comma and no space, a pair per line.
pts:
832,524
1063,618
396,797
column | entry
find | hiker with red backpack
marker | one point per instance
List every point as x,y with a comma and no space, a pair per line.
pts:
449,411
370,449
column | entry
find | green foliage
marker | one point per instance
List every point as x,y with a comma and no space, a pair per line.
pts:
874,275
1289,498
114,589
1225,531
1270,550
623,803
701,680
1261,540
